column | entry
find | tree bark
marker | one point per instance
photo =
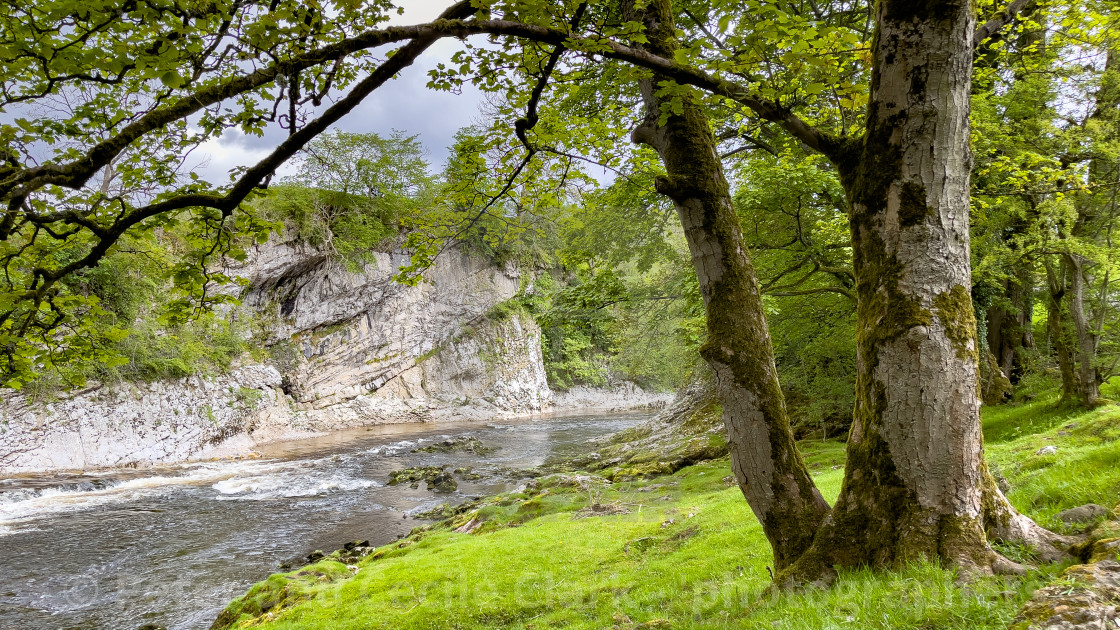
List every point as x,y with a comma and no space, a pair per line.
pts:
1088,384
915,481
916,484
1056,330
767,465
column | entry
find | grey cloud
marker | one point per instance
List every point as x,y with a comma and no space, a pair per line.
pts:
405,103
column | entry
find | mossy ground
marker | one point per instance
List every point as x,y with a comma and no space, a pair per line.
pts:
684,551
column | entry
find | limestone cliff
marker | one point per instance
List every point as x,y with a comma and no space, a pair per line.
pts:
356,334
344,349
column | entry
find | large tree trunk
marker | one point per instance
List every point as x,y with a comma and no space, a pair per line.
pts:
915,480
913,487
764,456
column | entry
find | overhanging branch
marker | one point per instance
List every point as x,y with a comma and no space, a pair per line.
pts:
75,174
1004,17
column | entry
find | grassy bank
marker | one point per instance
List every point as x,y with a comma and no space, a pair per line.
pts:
679,551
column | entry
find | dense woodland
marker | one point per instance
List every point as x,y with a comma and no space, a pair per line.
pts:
898,208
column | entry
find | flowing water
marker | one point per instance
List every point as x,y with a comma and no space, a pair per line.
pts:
170,546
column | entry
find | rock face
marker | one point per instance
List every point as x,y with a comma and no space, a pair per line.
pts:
354,333
345,349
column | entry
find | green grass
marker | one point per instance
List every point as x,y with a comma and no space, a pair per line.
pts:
688,554
1086,468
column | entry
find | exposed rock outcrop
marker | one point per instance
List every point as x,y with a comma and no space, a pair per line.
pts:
136,423
354,332
613,397
1086,596
687,431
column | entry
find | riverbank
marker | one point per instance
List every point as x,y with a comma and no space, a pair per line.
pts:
682,550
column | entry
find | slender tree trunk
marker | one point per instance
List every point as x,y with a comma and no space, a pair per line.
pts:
764,456
915,482
1000,334
1056,330
1026,311
1090,221
1009,320
1089,391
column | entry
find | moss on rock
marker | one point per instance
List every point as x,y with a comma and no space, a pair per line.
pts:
466,444
278,592
437,478
1085,596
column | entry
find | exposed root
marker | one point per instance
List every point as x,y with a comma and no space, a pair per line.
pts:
808,572
960,542
1005,524
1048,546
1003,566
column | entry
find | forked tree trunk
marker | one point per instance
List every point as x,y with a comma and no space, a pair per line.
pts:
767,465
915,483
1088,227
1009,324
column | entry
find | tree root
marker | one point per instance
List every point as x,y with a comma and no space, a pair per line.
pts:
1003,523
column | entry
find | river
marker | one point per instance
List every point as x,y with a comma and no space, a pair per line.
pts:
170,546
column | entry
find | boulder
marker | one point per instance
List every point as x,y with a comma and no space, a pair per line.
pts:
462,444
995,387
443,482
1083,513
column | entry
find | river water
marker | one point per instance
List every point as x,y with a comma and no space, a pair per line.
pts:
170,546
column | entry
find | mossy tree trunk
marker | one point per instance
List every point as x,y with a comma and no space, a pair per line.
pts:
1009,319
915,483
767,465
1088,378
1056,329
1009,323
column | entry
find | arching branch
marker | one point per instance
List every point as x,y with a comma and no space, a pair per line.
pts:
252,177
76,173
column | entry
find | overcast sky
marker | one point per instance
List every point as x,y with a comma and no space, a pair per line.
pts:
405,103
